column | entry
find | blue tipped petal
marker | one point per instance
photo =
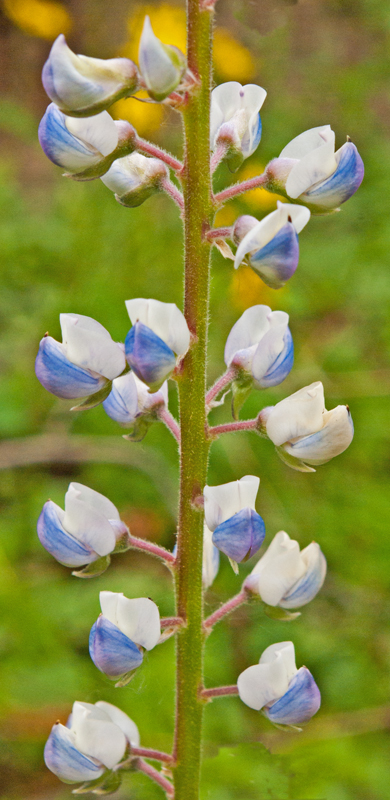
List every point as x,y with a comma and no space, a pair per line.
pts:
241,536
122,406
252,138
148,355
111,651
281,366
344,182
301,701
60,544
63,758
306,588
59,376
60,145
277,261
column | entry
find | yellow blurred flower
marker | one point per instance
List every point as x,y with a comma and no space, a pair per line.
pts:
146,117
247,289
43,18
232,61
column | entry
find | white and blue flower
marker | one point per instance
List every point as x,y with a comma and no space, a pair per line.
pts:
304,432
85,361
260,345
82,86
130,398
310,171
286,695
235,120
78,144
88,529
238,530
135,178
162,65
93,741
124,628
271,245
158,338
286,577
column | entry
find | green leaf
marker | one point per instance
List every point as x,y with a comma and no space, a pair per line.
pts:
94,569
106,784
94,399
275,612
294,463
241,389
139,428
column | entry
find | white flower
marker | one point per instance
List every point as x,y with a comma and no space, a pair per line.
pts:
302,428
260,343
235,119
286,577
78,144
222,502
134,178
162,65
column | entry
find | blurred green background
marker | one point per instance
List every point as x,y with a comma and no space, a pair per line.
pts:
70,247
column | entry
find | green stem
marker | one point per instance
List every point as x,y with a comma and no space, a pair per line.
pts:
198,216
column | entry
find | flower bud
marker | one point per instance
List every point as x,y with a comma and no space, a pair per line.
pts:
77,144
310,171
238,531
235,120
158,337
304,432
135,178
94,739
130,398
85,361
286,577
272,243
82,86
210,564
162,65
122,629
260,344
286,695
87,530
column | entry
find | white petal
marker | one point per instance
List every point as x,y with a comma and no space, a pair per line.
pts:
109,605
313,168
247,331
96,735
280,574
225,100
139,619
98,131
307,141
261,684
88,344
270,346
96,500
123,722
164,319
87,525
222,502
299,215
297,415
210,558
333,438
279,544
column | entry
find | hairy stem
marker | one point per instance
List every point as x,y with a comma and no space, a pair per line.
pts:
175,193
240,188
155,755
233,427
152,150
222,383
168,420
155,776
219,691
152,549
198,217
227,608
219,233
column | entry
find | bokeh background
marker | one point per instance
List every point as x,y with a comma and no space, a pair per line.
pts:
70,247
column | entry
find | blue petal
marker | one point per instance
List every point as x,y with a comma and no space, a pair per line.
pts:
148,355
111,651
277,261
344,182
63,758
282,364
306,588
240,536
59,376
122,406
301,701
60,544
61,146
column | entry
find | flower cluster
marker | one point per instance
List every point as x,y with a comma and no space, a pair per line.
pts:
130,379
